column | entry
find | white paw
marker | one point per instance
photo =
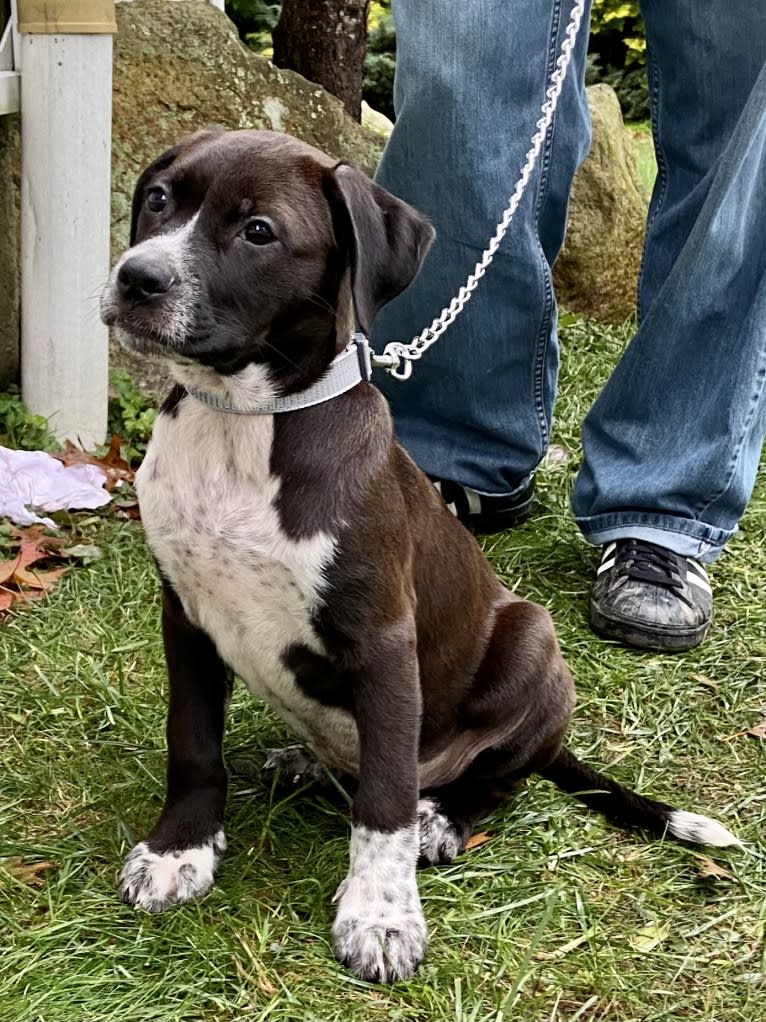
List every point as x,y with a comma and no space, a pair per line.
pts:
439,839
379,931
379,935
154,881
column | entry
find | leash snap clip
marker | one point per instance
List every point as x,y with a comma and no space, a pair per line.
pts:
392,361
401,367
364,354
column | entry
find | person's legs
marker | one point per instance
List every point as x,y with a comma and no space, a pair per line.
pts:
673,442
470,83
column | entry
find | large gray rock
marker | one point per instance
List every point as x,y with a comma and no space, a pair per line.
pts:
179,66
597,270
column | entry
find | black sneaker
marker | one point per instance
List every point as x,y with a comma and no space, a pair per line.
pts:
483,513
647,596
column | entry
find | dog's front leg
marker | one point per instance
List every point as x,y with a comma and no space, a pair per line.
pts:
379,931
177,861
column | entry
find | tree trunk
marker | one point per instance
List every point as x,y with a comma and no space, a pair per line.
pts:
325,41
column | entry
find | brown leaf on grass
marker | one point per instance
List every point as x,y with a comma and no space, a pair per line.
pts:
756,731
127,508
259,974
13,570
29,873
709,870
112,464
19,580
36,579
34,537
476,840
704,680
648,937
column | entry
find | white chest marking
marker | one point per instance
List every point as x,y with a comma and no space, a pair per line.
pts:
208,506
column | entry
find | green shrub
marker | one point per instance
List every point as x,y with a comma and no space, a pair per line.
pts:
19,428
380,62
617,54
130,415
255,21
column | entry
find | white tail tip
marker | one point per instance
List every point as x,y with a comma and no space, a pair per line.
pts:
701,829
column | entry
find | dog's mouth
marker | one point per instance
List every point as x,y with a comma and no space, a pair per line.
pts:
145,343
147,328
137,336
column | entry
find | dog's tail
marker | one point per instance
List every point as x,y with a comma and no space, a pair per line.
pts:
628,809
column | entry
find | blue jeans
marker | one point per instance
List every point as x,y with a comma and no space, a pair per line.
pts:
671,446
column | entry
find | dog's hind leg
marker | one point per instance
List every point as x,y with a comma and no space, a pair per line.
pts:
523,695
524,687
448,815
176,863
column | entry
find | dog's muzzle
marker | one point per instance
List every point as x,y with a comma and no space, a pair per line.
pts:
142,277
152,293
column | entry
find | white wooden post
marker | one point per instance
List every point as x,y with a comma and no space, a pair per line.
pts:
66,113
9,74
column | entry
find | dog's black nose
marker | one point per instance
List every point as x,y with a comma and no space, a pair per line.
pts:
142,277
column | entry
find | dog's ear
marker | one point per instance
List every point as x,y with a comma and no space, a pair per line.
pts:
387,238
162,163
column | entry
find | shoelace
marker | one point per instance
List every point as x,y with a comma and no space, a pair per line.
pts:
645,562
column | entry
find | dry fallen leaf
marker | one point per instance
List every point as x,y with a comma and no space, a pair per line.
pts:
758,730
35,536
704,680
259,975
476,840
36,579
24,576
112,464
557,455
29,873
649,937
709,870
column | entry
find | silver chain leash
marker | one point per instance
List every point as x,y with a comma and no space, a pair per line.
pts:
397,357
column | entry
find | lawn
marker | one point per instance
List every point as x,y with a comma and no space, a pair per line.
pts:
557,917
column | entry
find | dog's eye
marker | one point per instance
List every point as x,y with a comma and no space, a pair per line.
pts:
156,199
258,232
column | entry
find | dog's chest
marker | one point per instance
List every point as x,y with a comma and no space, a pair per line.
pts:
208,505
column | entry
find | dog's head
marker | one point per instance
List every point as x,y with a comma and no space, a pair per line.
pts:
252,247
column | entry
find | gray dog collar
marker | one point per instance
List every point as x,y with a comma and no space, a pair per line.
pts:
352,366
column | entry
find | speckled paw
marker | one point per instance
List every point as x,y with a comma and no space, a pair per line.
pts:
439,838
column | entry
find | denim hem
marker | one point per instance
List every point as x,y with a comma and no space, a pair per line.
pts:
682,535
512,493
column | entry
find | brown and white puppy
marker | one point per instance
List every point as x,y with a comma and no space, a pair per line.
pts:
306,553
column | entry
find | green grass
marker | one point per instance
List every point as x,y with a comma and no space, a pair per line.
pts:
558,917
646,161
